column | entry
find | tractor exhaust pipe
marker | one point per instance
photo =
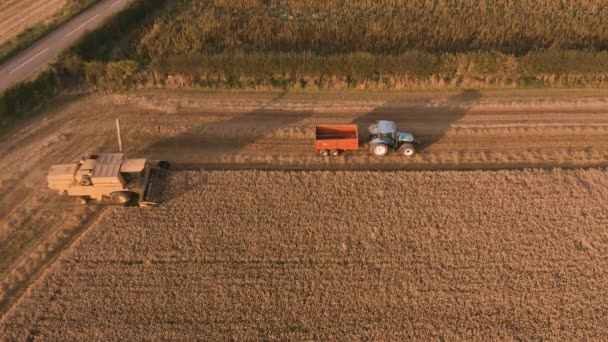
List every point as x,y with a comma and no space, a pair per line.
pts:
119,137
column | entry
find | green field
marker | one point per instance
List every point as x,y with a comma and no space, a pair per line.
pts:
379,44
383,27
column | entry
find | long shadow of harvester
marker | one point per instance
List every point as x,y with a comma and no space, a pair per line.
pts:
221,144
206,144
427,121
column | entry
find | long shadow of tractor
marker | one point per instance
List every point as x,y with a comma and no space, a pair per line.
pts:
381,130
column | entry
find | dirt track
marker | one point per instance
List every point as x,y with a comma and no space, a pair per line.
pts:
462,131
273,131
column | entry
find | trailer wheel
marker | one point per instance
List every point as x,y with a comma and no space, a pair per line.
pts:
379,149
121,197
83,200
324,153
407,150
334,153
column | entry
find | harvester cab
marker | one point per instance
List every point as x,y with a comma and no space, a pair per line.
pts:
106,176
385,137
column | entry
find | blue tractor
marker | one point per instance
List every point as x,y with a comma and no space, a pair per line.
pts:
384,137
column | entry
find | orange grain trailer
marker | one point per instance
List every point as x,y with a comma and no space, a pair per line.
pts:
334,139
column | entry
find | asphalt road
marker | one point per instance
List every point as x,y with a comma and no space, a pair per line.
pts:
26,63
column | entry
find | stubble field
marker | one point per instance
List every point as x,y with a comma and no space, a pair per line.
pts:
334,255
223,131
17,16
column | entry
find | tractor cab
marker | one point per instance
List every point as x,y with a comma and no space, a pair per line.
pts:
385,137
383,129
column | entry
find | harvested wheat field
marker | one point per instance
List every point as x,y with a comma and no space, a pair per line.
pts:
336,255
214,130
17,16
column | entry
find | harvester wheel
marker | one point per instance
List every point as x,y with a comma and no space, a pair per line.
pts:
334,153
324,153
407,150
379,149
121,197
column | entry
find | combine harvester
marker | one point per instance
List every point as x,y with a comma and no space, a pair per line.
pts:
332,140
107,176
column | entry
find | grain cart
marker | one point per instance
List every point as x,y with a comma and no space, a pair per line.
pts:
384,137
334,139
106,176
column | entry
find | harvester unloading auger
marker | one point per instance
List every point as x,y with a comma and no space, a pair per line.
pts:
107,176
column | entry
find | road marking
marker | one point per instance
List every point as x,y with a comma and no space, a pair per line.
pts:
116,3
29,60
79,27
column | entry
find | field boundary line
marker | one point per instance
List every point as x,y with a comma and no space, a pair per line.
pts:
383,168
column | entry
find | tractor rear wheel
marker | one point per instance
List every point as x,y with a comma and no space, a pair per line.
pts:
378,149
407,150
324,153
121,197
334,153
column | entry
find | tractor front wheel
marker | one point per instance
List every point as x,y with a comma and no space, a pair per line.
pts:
379,150
407,150
121,197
